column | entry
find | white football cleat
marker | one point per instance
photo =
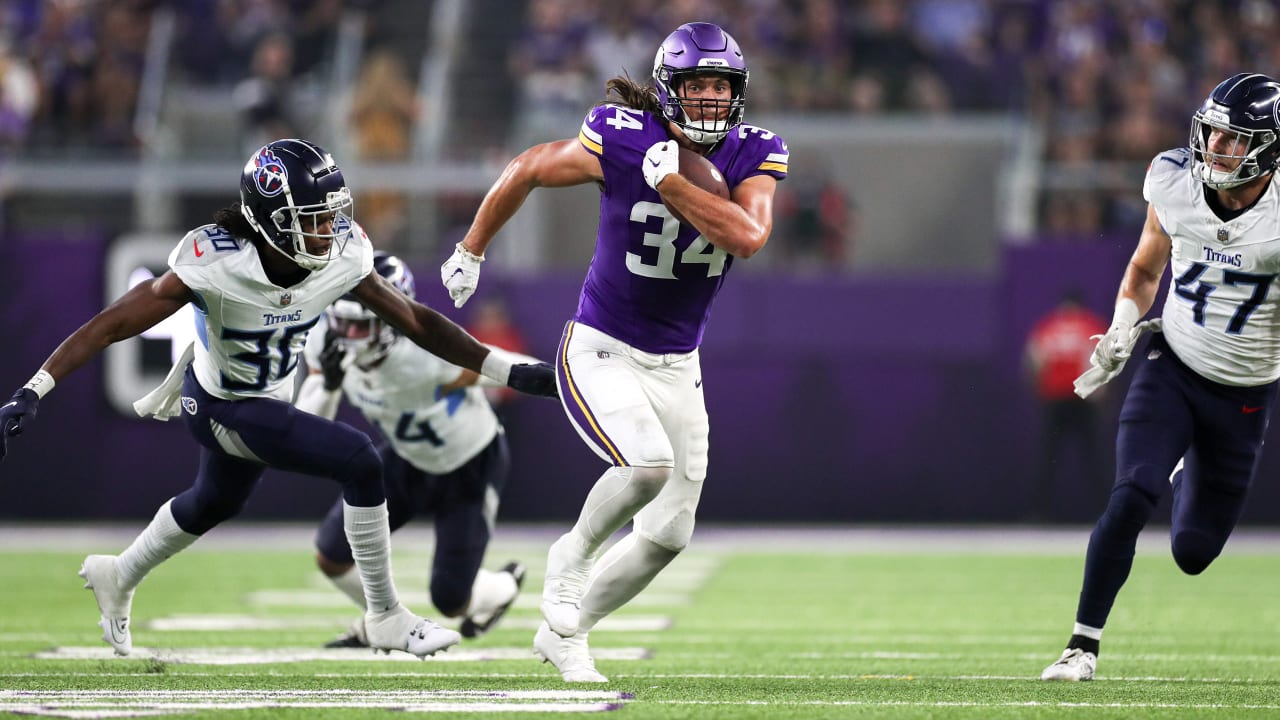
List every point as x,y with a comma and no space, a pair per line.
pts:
1075,665
473,626
99,573
400,629
569,655
563,586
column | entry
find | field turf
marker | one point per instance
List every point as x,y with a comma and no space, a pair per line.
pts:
830,623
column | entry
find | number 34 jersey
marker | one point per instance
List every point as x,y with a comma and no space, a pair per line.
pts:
652,280
251,331
1221,316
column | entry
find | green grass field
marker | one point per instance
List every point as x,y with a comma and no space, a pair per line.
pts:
855,624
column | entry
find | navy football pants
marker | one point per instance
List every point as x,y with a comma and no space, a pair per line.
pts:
458,501
1172,413
239,439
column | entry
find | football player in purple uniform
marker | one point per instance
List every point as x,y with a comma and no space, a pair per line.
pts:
1196,413
627,366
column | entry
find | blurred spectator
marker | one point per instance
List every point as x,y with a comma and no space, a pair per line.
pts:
490,323
384,113
264,99
815,219
1057,352
549,70
18,93
620,43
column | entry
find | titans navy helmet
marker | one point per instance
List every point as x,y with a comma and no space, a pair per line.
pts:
696,48
1246,108
358,329
288,190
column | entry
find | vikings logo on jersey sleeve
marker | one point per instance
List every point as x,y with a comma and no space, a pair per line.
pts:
652,279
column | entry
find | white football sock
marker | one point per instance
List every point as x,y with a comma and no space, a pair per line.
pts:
161,540
350,585
490,591
370,538
1086,631
621,573
615,498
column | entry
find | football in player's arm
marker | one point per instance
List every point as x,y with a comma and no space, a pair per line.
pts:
1197,409
628,367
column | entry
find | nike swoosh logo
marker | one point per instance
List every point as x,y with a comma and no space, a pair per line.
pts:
456,272
6,407
119,629
1249,410
653,163
195,242
697,383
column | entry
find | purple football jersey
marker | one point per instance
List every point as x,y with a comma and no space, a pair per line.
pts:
652,280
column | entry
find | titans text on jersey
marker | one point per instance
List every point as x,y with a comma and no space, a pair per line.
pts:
1221,315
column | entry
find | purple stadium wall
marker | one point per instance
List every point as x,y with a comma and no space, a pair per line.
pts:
831,399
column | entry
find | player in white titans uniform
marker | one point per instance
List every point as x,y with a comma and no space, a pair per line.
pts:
1198,407
444,454
628,364
259,278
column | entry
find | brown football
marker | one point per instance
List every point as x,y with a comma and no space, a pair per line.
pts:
699,171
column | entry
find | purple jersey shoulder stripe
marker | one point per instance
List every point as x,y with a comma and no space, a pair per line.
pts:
577,407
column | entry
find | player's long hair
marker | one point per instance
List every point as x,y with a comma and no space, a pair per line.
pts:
631,94
230,219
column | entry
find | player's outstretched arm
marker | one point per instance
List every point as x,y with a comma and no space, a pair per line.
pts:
555,164
143,306
440,336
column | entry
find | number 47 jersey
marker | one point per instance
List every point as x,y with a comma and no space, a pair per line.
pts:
1221,316
652,280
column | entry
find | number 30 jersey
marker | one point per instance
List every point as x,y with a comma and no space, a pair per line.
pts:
652,280
1221,316
251,331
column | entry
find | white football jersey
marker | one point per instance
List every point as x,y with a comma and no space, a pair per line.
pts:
251,332
1222,310
401,396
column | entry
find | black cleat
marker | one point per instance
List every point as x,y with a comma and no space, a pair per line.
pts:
473,627
353,638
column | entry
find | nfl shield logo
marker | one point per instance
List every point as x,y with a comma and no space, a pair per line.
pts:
1222,234
286,297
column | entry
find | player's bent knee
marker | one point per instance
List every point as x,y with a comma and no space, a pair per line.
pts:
1130,505
1194,551
450,597
648,481
363,468
672,533
332,568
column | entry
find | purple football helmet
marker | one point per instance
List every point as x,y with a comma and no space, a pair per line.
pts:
1245,107
696,48
287,182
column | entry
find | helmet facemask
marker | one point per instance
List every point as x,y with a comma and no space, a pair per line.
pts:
1255,150
364,336
718,117
295,224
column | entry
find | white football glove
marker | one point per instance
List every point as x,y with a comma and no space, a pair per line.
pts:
1114,347
460,274
661,160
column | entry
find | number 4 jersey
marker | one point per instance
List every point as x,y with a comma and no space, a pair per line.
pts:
1221,314
652,280
251,331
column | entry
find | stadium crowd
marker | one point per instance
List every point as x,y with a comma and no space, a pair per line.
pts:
1109,81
